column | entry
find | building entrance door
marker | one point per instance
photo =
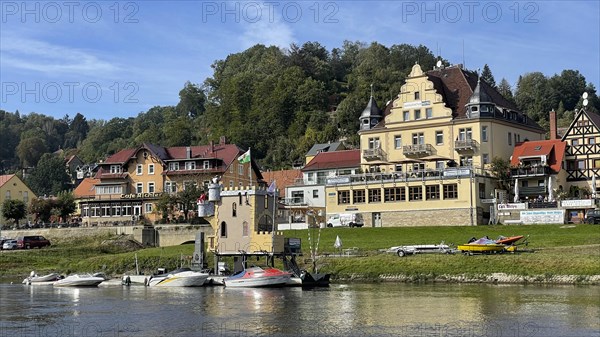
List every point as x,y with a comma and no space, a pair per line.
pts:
376,219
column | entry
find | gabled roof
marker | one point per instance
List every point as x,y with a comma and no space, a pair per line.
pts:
5,178
227,153
282,179
318,148
336,159
86,188
592,116
553,149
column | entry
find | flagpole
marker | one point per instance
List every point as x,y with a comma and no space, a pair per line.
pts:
250,170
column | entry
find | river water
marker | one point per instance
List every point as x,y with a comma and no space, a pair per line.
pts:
387,309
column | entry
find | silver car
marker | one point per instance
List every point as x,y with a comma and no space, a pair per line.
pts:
9,244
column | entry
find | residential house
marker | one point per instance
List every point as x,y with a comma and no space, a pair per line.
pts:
428,153
132,180
12,187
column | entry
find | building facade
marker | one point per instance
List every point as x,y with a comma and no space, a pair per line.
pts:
426,158
12,187
130,183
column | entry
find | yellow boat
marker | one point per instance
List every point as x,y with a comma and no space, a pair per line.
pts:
481,248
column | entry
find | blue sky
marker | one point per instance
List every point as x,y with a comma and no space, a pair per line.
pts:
108,59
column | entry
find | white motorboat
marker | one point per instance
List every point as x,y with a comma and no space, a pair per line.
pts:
183,277
35,279
79,280
258,277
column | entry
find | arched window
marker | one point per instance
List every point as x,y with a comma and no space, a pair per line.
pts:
234,210
245,230
223,229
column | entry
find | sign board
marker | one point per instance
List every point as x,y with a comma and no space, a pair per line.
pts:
543,217
577,203
415,104
456,172
512,206
338,180
488,201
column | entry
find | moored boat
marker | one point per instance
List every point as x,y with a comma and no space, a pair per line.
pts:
509,240
258,277
79,280
35,279
183,277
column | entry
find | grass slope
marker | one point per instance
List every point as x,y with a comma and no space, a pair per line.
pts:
559,250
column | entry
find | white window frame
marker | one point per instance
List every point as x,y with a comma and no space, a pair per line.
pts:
139,188
484,134
398,141
190,165
174,166
147,208
150,168
151,187
206,164
440,135
114,169
139,169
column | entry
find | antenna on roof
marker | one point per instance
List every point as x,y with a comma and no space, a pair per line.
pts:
371,89
464,63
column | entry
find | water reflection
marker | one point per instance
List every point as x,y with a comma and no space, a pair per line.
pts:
341,310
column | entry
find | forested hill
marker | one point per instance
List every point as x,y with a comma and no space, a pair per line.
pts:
278,102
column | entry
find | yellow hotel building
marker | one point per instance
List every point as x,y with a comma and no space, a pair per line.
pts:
426,158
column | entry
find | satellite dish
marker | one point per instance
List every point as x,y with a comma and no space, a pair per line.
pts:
439,65
585,95
585,102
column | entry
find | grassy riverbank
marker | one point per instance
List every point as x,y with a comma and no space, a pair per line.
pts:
557,250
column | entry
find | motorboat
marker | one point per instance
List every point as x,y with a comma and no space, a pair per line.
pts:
183,277
35,279
314,279
482,246
79,280
258,277
509,240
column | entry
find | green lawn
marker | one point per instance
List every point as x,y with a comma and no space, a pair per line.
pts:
557,250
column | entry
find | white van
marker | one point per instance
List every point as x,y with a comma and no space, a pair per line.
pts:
346,220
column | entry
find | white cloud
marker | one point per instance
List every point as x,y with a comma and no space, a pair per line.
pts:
40,56
270,34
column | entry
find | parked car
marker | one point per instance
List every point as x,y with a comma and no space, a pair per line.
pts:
346,220
9,244
592,217
32,241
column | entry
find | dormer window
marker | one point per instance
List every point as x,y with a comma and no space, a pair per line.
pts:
173,166
190,165
114,169
474,108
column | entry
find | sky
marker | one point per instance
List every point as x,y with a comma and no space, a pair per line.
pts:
107,59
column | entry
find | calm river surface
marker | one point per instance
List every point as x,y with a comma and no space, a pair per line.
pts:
342,310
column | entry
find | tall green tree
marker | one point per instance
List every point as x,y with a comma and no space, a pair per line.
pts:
486,75
65,204
187,199
30,150
191,100
49,177
41,208
14,209
505,90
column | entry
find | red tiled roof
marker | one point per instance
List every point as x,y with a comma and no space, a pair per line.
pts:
120,157
554,149
283,179
337,159
86,188
5,178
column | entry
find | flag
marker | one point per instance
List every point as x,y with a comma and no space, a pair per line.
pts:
245,157
272,188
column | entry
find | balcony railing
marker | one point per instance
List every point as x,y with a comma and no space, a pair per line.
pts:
420,175
417,149
295,201
306,182
532,191
465,145
373,154
530,171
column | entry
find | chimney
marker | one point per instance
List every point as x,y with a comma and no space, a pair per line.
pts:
222,140
553,129
188,152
